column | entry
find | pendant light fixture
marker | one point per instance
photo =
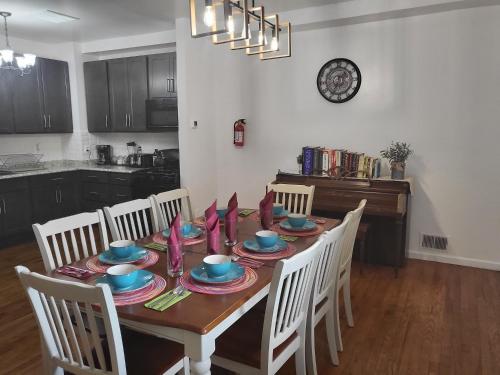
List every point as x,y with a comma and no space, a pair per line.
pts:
260,35
12,60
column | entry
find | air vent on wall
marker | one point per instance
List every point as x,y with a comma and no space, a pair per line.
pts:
56,17
434,242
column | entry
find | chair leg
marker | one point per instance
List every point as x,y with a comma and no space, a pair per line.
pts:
347,301
330,335
335,312
310,346
300,355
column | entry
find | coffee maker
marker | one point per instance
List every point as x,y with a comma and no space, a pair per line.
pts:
103,154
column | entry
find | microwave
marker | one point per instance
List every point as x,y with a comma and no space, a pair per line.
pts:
162,113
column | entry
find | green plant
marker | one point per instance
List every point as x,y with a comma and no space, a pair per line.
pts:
397,152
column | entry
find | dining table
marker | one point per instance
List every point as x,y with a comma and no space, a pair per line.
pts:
199,319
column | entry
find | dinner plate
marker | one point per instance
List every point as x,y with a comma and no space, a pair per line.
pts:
253,245
194,233
144,279
199,273
283,213
107,256
309,225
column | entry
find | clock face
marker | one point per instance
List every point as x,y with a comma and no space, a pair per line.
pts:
339,80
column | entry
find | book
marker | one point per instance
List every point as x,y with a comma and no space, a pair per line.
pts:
307,161
325,163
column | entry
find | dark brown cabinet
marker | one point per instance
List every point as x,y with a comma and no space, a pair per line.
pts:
128,91
36,102
15,207
97,96
162,75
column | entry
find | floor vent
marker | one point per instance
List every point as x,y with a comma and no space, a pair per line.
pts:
434,242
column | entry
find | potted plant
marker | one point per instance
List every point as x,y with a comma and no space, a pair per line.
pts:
397,154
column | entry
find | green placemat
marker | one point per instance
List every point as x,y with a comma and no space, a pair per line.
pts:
288,238
155,246
164,301
246,212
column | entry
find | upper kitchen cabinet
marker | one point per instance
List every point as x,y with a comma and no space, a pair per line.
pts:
97,96
7,120
162,75
128,91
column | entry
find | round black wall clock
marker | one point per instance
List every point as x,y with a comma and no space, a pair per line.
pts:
339,80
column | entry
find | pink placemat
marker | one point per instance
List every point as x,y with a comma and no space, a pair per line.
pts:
200,221
141,295
319,229
255,217
159,238
95,265
240,250
246,281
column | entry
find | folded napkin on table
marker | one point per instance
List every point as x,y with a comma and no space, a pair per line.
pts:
78,273
212,210
231,218
213,234
266,210
174,250
165,300
176,224
233,202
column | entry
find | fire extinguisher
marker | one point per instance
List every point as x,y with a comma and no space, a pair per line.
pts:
239,132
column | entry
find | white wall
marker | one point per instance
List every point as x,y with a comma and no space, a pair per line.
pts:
429,80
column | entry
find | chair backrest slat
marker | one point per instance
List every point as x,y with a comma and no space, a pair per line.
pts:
54,235
168,204
132,220
69,349
350,235
288,299
296,199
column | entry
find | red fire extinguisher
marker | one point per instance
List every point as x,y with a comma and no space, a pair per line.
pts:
239,132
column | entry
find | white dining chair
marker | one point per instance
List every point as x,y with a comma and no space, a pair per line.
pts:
69,239
344,271
169,203
296,199
80,350
261,343
323,294
132,220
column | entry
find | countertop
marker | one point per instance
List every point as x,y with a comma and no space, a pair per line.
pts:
72,165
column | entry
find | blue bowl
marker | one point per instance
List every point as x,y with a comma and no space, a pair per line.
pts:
122,275
277,209
297,220
217,265
186,228
122,249
266,238
221,212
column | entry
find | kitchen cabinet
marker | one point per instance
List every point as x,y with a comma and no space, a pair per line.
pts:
15,207
128,91
6,108
56,96
97,95
162,75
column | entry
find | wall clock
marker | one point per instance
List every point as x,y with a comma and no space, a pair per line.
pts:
339,80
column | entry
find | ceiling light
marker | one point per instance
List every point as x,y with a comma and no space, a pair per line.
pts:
56,17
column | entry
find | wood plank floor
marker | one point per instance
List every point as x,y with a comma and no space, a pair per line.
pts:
433,319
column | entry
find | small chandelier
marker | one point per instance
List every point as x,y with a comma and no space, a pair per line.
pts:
12,60
261,35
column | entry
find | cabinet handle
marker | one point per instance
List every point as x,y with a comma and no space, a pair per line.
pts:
50,124
106,121
129,120
173,84
57,179
44,121
126,120
4,208
91,176
121,195
57,197
60,196
93,193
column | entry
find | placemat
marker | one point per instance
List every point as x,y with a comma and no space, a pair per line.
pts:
240,250
243,283
95,265
319,229
159,238
141,295
200,221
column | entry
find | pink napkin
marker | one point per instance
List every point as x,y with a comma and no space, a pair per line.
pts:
212,210
266,210
78,273
174,250
176,225
231,218
213,233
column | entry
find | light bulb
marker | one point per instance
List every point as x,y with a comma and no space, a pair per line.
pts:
21,62
209,16
274,44
261,37
7,55
30,59
230,25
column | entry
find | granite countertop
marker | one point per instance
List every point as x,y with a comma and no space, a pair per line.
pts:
71,165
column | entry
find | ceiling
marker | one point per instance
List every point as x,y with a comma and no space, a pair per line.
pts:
102,19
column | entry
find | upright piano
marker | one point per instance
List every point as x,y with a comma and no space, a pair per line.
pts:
386,209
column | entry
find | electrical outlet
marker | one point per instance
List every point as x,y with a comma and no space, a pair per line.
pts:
86,148
195,125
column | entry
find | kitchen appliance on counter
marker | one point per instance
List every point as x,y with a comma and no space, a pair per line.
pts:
103,154
163,176
162,114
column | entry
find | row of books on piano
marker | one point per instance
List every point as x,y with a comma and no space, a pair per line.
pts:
323,161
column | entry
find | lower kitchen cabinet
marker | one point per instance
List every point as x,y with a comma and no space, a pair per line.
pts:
15,207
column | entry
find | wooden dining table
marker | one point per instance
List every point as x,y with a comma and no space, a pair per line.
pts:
199,319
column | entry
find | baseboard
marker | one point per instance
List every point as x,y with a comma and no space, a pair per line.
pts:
451,259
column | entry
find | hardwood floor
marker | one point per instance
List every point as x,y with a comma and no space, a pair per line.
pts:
434,319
